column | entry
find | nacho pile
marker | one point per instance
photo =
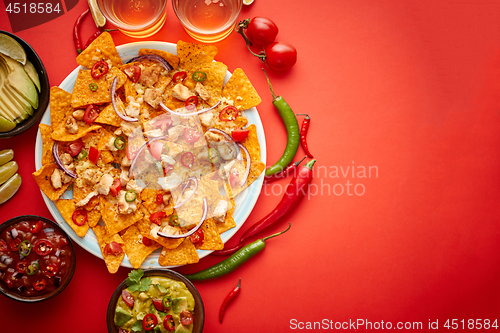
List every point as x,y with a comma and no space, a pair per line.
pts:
146,151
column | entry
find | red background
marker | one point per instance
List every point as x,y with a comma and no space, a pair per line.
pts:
409,88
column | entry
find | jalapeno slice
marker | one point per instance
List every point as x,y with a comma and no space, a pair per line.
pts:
119,143
93,86
81,155
25,248
199,76
33,268
174,220
214,155
130,196
167,302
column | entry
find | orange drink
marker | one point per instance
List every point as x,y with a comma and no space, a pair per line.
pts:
135,18
208,21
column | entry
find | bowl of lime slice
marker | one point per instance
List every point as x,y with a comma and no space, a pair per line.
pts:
24,86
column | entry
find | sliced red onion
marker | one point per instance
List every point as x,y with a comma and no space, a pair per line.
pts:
195,180
3,257
14,233
17,275
190,113
228,137
192,231
21,288
7,261
113,94
55,153
47,230
152,57
58,253
57,281
139,151
249,162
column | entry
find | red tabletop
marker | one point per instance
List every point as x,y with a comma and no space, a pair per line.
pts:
401,223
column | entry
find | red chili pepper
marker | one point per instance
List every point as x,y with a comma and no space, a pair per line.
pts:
99,69
303,133
289,170
159,198
95,35
79,217
228,300
229,113
294,192
192,100
76,31
179,76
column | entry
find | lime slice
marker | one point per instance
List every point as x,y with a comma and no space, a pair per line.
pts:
8,170
10,188
11,48
248,2
99,19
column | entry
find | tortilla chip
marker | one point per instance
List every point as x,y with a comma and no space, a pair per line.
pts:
256,169
228,222
113,261
211,237
117,222
216,72
172,59
47,143
42,178
60,105
83,96
144,226
60,133
240,90
181,255
102,48
79,193
194,55
108,116
67,207
93,217
251,143
136,251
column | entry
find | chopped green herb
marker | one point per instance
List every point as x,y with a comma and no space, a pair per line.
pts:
135,283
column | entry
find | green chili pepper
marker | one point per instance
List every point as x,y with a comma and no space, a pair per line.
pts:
25,248
32,269
165,149
199,76
174,220
158,167
119,143
130,196
292,130
167,301
93,86
214,155
81,155
234,261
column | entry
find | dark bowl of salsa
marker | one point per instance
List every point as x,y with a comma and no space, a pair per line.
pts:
133,308
37,259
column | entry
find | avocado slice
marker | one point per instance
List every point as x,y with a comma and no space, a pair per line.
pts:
179,304
181,329
121,316
6,125
20,81
32,73
16,97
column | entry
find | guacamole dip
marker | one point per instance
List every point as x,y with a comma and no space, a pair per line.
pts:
155,304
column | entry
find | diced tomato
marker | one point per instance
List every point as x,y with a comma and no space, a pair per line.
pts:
115,187
156,148
133,72
156,217
234,179
146,241
198,237
9,283
239,134
35,228
94,155
113,248
3,245
162,122
158,303
128,298
91,114
186,318
191,135
74,148
159,199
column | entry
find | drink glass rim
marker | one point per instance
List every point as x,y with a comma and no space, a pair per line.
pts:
204,32
128,27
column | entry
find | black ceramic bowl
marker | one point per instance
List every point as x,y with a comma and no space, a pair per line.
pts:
199,310
43,95
11,292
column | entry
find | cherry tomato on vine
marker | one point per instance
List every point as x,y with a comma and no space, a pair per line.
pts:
280,56
261,31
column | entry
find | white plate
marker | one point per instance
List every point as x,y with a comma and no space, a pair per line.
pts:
245,201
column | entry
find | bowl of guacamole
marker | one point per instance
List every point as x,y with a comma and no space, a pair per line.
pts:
155,300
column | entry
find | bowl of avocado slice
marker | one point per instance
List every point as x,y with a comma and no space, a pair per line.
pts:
24,86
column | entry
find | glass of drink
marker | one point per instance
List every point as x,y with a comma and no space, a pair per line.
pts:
135,18
208,21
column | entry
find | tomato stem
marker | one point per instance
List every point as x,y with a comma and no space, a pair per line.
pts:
240,28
